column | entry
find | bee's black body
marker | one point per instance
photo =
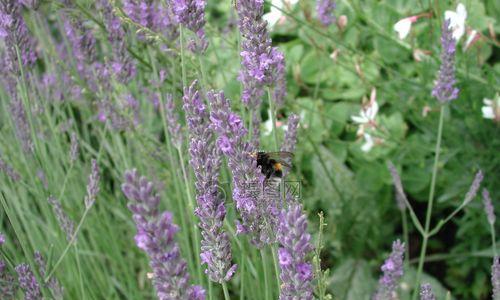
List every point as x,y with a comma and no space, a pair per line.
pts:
270,167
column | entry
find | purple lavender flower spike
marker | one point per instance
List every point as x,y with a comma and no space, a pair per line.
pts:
324,9
444,88
155,236
8,286
257,210
174,126
31,4
64,221
82,44
393,271
14,32
122,65
474,187
191,14
261,64
488,207
73,152
426,292
53,285
495,278
400,193
92,185
296,273
153,15
290,139
206,161
28,282
9,170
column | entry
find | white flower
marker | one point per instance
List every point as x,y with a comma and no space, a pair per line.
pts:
368,112
491,108
402,27
368,145
275,15
457,21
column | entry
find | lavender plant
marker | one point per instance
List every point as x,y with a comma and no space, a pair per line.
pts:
206,162
296,272
28,282
426,292
191,14
324,10
155,236
444,88
393,271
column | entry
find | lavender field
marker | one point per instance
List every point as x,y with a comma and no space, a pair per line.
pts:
249,149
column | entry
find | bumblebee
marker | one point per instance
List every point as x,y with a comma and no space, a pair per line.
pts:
272,163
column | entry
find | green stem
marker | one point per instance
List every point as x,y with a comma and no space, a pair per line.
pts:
493,240
79,266
406,236
181,38
274,251
272,116
73,237
226,292
429,206
266,274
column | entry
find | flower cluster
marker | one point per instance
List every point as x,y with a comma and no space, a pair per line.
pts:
324,9
476,183
82,43
393,271
191,14
444,88
262,64
64,221
122,65
53,284
92,185
290,139
28,282
495,277
14,32
9,170
426,292
488,207
155,236
7,281
152,15
296,273
366,120
256,210
400,193
206,161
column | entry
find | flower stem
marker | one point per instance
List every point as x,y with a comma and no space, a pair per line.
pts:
73,237
272,116
429,206
266,273
274,251
226,292
493,240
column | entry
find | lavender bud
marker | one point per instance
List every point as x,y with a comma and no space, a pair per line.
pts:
28,282
206,161
174,126
393,271
324,9
488,207
73,153
444,88
153,15
426,292
64,221
53,284
92,185
155,236
191,14
290,139
296,273
2,239
474,187
396,179
9,171
495,277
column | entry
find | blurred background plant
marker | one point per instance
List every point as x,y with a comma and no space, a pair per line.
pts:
107,81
